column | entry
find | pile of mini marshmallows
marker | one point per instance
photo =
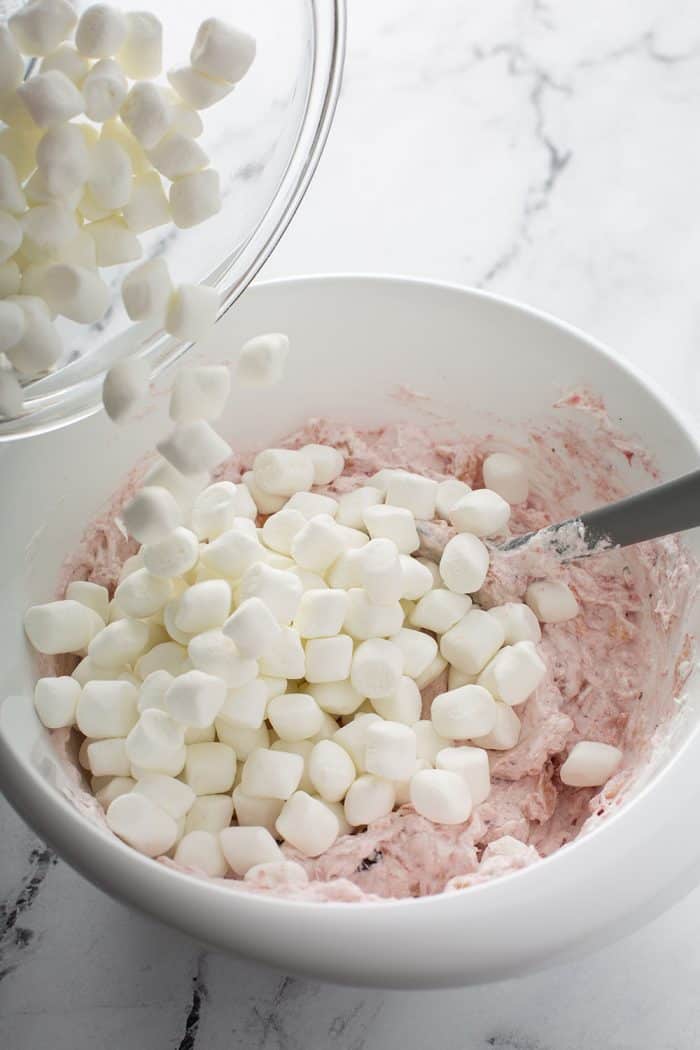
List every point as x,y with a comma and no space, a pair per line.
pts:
75,195
274,673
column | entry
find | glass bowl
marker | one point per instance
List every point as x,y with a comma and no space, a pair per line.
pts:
264,139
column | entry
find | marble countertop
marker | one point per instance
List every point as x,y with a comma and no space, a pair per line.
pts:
547,151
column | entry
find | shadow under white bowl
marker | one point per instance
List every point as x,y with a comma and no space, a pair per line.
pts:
354,340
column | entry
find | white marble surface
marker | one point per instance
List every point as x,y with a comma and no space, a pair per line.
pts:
546,151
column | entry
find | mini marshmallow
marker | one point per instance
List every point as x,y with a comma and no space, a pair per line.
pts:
278,589
284,657
75,292
331,770
244,847
142,824
590,764
11,396
272,774
441,796
471,763
151,514
327,461
51,98
336,698
365,620
210,769
40,26
107,709
146,209
472,642
246,705
428,742
88,671
203,606
381,572
280,529
195,698
114,242
232,553
200,851
146,113
101,31
195,198
311,504
11,62
141,52
10,235
12,322
413,492
153,690
392,523
115,131
252,627
282,472
91,594
110,175
156,742
11,196
62,158
37,192
146,290
217,507
167,656
368,799
317,544
390,750
56,700
352,505
307,824
61,627
262,359
481,513
464,563
328,659
89,209
264,501
321,613
184,489
222,51
448,495
201,393
177,154
66,59
439,610
108,758
505,733
352,737
119,643
346,572
456,678
294,716
191,311
19,147
404,706
213,652
507,476
418,649
40,345
194,447
464,713
104,89
377,667
106,789
514,673
174,555
417,578
209,813
518,621
197,89
12,110
552,601
125,388
169,794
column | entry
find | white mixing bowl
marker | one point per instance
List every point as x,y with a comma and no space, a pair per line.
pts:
354,339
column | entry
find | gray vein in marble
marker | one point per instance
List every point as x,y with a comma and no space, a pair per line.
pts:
14,938
199,995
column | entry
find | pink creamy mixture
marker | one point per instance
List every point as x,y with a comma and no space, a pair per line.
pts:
611,671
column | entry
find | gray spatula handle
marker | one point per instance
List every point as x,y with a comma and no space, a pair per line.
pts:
671,507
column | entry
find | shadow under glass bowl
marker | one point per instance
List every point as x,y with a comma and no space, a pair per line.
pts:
264,139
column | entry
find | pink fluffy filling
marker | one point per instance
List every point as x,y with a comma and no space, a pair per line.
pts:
611,671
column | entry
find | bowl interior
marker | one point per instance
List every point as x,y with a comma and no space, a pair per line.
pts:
366,351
